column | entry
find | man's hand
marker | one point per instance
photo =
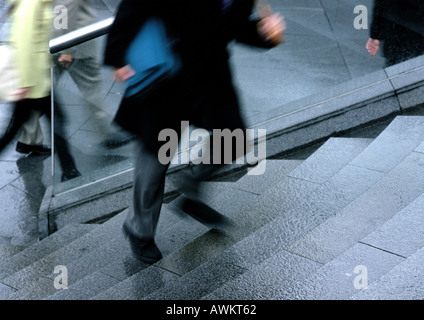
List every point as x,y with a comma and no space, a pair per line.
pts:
124,73
65,59
373,46
272,28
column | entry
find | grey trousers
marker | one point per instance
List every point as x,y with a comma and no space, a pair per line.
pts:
149,187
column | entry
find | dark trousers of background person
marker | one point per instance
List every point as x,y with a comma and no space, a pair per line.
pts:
21,114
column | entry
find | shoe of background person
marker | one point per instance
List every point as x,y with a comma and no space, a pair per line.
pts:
71,174
117,139
33,149
203,213
143,249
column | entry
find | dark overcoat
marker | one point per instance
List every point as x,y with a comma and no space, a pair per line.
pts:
203,92
400,25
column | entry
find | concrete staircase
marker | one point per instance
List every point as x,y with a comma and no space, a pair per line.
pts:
350,216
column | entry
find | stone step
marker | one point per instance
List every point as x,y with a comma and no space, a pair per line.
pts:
35,280
316,168
7,251
98,255
398,140
287,275
403,234
287,196
360,180
403,282
393,267
275,170
391,194
174,233
222,196
170,288
44,247
378,252
310,208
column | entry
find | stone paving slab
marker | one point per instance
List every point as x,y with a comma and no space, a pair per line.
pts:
275,170
75,250
286,199
329,159
139,285
247,221
44,247
403,234
404,282
380,203
401,137
265,280
173,233
92,285
335,280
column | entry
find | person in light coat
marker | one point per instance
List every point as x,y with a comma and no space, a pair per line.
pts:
30,35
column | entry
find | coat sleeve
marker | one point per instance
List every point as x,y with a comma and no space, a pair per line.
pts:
379,22
24,25
129,18
246,30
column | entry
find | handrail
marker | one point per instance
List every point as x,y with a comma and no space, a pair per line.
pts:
79,36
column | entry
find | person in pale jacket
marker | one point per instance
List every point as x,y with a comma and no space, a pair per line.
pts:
30,35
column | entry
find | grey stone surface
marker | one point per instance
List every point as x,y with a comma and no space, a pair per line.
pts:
403,282
329,159
266,255
246,221
7,251
404,233
264,281
138,286
44,247
401,137
6,291
302,134
275,171
210,275
77,249
335,280
412,98
83,290
380,203
282,202
420,148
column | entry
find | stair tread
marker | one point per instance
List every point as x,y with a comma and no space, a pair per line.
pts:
175,233
7,250
44,247
283,197
404,282
402,136
390,195
404,233
330,158
43,268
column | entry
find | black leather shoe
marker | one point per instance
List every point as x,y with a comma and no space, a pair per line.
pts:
70,174
118,139
143,249
203,213
33,149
